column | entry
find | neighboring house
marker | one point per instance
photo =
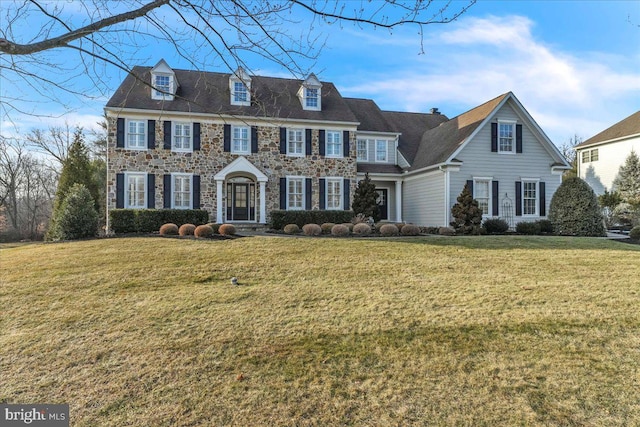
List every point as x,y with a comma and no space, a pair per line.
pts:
241,146
600,157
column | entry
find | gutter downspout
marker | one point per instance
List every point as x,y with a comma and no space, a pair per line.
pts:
447,194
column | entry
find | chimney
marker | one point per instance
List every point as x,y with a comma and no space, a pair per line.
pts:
434,111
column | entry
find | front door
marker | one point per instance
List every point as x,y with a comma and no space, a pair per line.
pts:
240,202
383,202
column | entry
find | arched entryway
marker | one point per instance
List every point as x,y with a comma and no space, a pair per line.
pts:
241,193
241,199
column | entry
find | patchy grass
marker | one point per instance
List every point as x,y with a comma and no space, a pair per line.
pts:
428,331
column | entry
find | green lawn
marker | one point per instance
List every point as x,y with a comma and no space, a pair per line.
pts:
533,331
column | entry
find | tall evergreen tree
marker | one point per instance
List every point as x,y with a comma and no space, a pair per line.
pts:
627,183
365,199
467,216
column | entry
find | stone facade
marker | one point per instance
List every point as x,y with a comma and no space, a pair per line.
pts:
211,159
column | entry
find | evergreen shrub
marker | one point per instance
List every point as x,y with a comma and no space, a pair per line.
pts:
281,218
495,225
529,228
575,211
635,233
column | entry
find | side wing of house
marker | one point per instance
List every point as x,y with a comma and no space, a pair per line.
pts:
599,164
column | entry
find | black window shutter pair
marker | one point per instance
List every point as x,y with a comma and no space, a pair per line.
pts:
151,191
167,135
227,139
494,138
166,194
283,194
542,198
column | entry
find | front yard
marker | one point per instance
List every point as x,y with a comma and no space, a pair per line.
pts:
475,331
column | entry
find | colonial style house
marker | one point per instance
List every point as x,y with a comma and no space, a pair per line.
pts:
241,146
600,157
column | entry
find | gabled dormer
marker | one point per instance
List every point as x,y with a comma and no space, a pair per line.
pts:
310,93
163,81
240,87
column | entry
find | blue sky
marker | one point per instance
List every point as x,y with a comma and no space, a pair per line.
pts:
575,65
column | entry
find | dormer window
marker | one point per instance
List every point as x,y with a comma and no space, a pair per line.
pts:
310,94
163,82
240,87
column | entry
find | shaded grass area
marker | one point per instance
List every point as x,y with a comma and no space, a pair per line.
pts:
435,331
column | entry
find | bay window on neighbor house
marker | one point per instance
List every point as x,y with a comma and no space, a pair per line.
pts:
334,143
295,193
240,140
135,190
181,194
334,193
529,197
482,193
136,134
295,142
362,150
506,137
381,150
182,137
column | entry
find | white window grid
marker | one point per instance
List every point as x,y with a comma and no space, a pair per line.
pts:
136,190
506,136
334,193
240,139
334,144
529,198
182,136
295,142
362,150
482,194
240,93
381,150
136,134
311,97
163,85
295,193
182,191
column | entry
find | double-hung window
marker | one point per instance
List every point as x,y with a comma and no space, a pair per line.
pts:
530,197
590,155
311,97
240,93
295,142
334,193
334,143
136,190
136,134
362,150
381,150
162,86
181,195
295,193
240,139
506,137
182,137
482,194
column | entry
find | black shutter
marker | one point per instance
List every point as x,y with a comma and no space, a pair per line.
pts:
494,137
283,140
151,191
151,134
196,191
196,136
167,135
470,186
283,194
518,138
321,143
254,139
518,198
346,184
307,194
166,192
323,190
345,143
543,199
495,198
307,142
119,190
227,138
120,133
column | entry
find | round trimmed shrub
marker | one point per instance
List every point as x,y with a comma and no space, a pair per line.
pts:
186,230
169,229
389,230
362,229
575,211
291,229
635,233
203,231
495,225
410,230
340,230
311,230
214,226
326,227
529,228
446,231
227,229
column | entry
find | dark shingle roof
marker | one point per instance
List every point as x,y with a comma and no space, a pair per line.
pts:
208,92
368,114
626,127
412,126
378,168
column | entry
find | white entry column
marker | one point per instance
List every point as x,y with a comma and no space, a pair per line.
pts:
263,202
398,201
219,208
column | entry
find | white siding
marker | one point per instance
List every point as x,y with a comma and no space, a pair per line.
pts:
478,161
601,173
423,201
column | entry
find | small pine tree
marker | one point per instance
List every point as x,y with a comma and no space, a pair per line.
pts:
467,216
574,210
365,199
627,183
76,217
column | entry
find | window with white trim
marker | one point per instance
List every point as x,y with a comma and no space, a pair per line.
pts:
136,134
240,93
482,193
135,190
295,142
381,150
362,150
334,193
529,197
182,137
240,139
506,137
181,191
590,155
163,87
311,97
295,193
334,143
